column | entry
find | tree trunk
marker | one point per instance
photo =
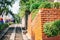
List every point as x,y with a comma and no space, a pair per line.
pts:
27,12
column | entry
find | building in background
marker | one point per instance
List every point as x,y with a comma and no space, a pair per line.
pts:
1,20
5,19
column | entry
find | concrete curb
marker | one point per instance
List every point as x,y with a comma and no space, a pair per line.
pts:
4,32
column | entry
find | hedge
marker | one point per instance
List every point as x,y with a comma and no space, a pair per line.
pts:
50,5
2,26
45,5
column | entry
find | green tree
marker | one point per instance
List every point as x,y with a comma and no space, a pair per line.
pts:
4,6
29,5
25,7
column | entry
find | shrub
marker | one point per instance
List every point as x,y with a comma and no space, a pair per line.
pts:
6,25
50,5
46,5
56,5
52,28
9,23
34,6
2,26
57,23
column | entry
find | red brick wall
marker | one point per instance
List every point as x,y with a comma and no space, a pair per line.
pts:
53,38
49,15
36,26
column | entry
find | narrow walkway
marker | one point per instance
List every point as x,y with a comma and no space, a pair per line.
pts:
18,35
7,34
24,36
13,34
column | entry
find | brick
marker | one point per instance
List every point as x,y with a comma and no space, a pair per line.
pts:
37,24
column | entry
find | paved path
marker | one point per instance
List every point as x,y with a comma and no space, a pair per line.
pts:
7,35
16,34
13,33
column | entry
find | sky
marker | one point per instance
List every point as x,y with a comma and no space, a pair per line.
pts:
15,7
